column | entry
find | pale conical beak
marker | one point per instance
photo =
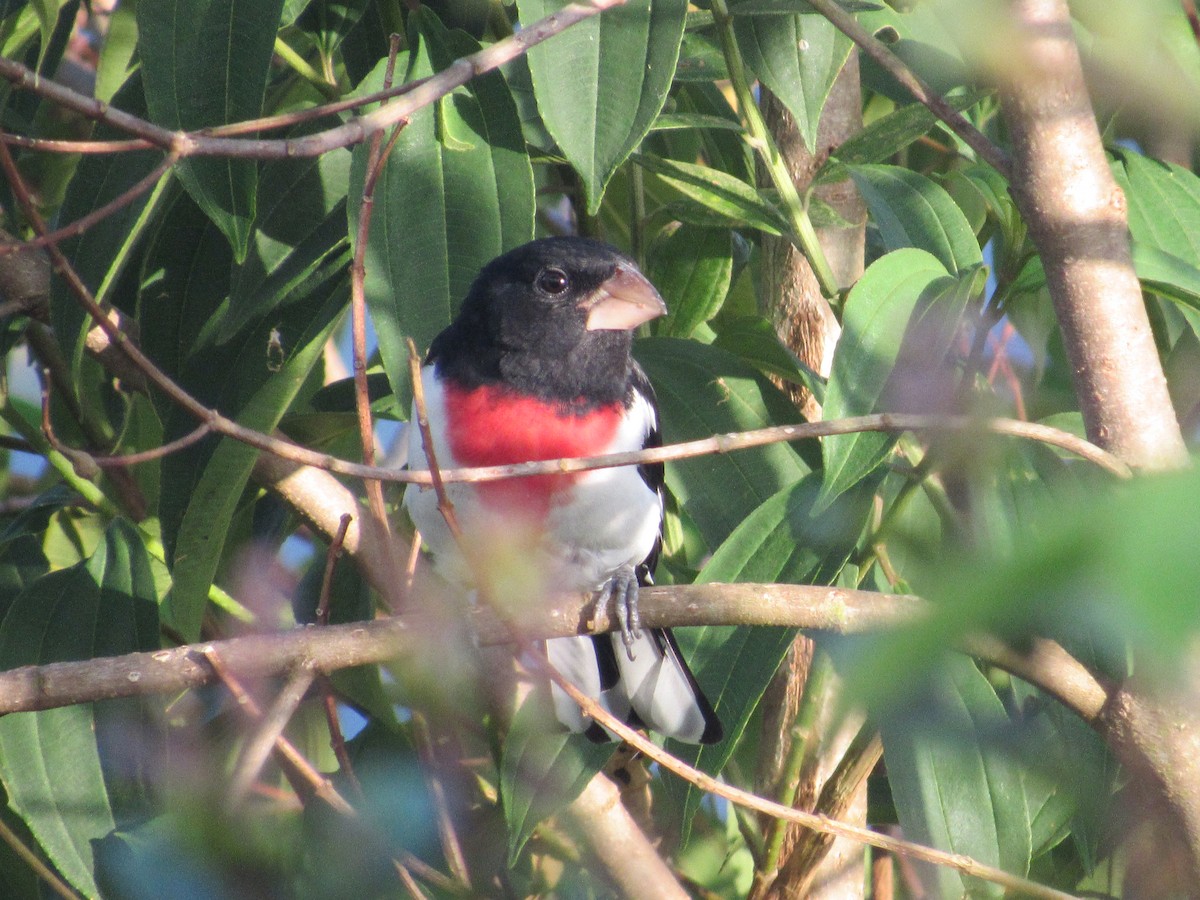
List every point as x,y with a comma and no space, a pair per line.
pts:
623,302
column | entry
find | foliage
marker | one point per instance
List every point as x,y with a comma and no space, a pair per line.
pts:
235,275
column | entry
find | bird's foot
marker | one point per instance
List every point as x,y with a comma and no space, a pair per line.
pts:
623,589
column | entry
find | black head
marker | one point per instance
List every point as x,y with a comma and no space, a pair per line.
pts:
554,318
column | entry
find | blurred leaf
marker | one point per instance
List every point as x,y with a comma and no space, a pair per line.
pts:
912,211
797,57
601,83
54,764
543,767
955,785
1167,275
704,391
691,266
205,63
730,198
441,213
1164,205
906,304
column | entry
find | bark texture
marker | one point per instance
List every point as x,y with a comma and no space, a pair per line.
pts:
807,325
1077,216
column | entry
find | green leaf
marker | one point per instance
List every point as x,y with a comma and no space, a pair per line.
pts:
783,541
100,254
907,306
205,63
441,213
888,135
300,236
724,148
704,391
700,60
260,388
1164,205
601,83
730,198
1167,275
754,340
797,57
252,376
955,784
692,268
22,559
910,210
542,768
674,121
67,770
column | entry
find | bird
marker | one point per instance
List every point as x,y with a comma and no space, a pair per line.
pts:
537,365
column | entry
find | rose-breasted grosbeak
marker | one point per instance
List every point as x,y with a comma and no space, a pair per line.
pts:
537,366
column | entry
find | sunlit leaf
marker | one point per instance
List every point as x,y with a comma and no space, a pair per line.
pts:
906,306
797,57
691,268
68,771
910,210
704,391
441,211
600,84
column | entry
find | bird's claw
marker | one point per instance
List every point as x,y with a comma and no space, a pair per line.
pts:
623,588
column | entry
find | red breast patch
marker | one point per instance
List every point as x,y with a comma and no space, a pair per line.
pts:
492,426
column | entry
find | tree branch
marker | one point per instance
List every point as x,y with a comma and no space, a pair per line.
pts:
1077,217
355,131
341,646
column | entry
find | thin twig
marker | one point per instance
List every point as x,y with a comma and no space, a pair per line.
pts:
302,775
331,558
337,740
352,132
99,214
35,863
16,444
270,729
421,414
814,821
358,317
155,453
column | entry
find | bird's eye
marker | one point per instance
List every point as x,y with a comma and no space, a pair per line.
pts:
552,281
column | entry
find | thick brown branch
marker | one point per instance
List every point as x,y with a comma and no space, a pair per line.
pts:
340,646
1077,216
